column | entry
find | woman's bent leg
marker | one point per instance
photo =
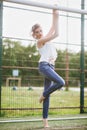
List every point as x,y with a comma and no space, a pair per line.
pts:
48,71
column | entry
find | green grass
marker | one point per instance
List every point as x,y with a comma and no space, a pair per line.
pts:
23,98
75,124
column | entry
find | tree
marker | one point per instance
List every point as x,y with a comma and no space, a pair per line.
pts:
25,58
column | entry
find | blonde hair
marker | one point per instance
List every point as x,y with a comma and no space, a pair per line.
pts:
34,27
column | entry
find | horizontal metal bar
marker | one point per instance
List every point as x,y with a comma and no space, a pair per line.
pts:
17,38
38,120
35,68
44,12
51,108
47,6
32,40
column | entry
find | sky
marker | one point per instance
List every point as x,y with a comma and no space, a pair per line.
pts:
17,23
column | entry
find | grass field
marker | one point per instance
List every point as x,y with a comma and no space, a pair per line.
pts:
73,124
25,98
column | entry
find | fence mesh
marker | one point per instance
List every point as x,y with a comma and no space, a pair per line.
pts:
22,83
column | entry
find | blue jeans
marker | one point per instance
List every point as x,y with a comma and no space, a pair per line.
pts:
52,82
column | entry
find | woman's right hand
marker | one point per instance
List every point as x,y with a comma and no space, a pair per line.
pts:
55,11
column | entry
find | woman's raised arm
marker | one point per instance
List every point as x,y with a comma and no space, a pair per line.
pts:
53,32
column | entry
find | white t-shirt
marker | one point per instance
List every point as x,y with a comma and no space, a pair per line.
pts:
48,53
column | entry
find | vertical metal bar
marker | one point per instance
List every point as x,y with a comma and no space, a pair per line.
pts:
82,61
67,70
67,57
1,14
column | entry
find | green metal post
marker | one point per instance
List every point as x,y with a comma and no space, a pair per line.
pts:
82,61
1,15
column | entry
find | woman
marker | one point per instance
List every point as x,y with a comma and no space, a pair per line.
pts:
48,54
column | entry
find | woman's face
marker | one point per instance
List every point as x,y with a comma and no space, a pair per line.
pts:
38,33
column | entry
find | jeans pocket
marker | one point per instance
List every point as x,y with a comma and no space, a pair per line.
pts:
43,67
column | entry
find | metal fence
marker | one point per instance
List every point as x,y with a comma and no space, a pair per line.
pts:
20,82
